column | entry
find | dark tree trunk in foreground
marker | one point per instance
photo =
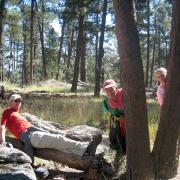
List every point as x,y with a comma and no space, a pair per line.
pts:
139,164
165,154
100,55
79,50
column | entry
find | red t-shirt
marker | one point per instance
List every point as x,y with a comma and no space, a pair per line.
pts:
14,121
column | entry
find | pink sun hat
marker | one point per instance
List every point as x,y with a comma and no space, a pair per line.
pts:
109,83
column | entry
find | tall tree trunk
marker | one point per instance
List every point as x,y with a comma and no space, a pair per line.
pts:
17,53
79,49
10,58
83,62
166,42
154,50
24,64
31,42
98,67
139,165
2,8
14,56
97,38
24,71
25,49
41,33
148,42
60,49
165,146
2,70
70,46
159,47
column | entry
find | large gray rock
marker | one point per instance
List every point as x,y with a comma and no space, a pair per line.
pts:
13,155
15,165
79,133
44,125
15,171
83,133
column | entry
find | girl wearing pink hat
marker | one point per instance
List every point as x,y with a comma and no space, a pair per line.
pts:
113,102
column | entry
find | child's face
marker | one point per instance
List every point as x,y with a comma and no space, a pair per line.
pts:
160,77
110,92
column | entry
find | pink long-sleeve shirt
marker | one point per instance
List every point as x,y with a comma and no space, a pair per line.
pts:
160,94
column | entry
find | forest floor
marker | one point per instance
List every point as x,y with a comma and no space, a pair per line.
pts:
50,86
58,171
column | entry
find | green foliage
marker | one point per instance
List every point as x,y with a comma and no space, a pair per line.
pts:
16,37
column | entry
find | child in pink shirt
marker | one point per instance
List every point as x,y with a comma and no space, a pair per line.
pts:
161,77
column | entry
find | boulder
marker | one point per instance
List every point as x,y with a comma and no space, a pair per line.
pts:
15,165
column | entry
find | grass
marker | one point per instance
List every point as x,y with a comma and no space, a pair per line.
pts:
50,86
153,118
75,111
37,87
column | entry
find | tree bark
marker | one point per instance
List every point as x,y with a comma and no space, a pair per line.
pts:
154,51
83,62
70,47
97,38
159,47
41,33
2,8
148,42
24,68
31,42
100,55
79,49
60,49
165,147
139,164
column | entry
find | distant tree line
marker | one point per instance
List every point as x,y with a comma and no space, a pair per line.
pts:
85,48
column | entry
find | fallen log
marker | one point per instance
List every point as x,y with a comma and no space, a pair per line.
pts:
80,133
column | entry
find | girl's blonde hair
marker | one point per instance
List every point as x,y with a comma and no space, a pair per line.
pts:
161,71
